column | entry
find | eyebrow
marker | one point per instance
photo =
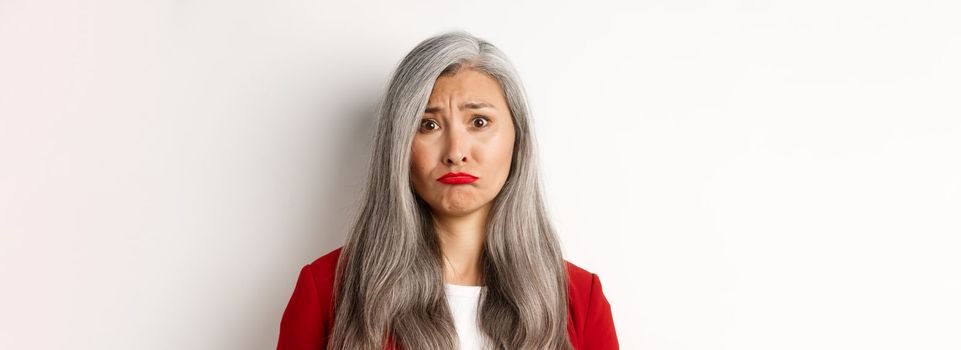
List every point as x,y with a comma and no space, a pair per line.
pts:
468,105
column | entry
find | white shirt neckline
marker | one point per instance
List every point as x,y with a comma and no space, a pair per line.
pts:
463,291
464,302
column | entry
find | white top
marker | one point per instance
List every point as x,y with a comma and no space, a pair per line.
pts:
463,302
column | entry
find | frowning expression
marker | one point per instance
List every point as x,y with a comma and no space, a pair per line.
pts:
466,128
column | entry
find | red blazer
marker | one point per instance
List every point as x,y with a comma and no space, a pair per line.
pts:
308,319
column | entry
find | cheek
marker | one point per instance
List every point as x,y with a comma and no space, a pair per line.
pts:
505,149
497,155
419,160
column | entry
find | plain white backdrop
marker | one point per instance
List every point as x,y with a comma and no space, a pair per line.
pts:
740,174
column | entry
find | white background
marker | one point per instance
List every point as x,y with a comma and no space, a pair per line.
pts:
740,174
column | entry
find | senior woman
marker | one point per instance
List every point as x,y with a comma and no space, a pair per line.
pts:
452,247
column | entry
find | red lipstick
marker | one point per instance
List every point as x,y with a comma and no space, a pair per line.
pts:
457,178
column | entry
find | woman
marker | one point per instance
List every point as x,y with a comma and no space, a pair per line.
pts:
452,247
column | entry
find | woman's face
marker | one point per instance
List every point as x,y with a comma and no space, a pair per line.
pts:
466,128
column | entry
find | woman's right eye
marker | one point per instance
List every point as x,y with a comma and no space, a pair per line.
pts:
428,125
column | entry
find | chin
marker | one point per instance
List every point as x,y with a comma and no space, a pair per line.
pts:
458,210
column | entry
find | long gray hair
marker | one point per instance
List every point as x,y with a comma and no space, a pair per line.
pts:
390,279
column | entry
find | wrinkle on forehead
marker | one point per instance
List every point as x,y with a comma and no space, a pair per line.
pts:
476,91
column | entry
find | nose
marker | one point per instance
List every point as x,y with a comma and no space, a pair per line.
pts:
455,155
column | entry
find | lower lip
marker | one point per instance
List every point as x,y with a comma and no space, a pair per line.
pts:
458,180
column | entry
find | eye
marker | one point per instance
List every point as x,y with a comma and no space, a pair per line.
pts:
428,125
483,121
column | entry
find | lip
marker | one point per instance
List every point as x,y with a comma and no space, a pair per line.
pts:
457,178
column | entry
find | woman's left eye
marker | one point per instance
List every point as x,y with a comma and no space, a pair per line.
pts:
484,121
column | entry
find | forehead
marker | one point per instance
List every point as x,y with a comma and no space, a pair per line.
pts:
468,84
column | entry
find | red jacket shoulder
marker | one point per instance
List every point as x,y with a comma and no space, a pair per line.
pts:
578,277
325,266
579,283
590,320
309,316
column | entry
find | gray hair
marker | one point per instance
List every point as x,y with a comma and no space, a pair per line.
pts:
390,276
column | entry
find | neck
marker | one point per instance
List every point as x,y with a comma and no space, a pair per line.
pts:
461,241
